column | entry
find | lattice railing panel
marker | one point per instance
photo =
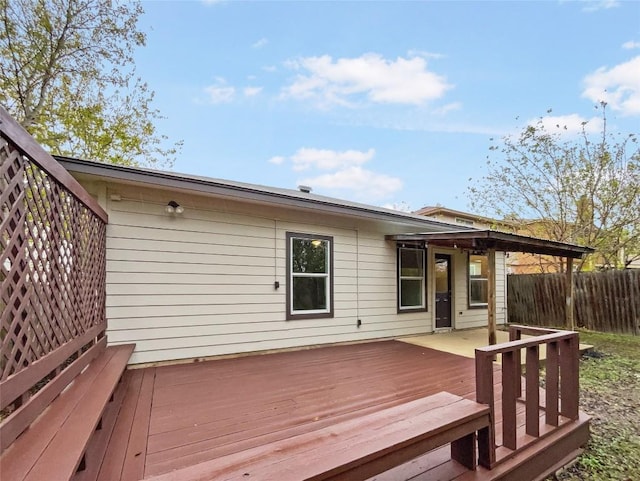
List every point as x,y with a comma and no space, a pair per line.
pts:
52,265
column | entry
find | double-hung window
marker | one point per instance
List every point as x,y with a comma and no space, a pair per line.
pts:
411,279
310,276
478,280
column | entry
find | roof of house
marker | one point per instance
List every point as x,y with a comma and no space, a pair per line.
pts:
440,210
248,192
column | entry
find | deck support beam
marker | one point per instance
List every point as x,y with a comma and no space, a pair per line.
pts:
569,290
491,296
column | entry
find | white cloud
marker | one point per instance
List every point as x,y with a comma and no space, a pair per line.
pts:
269,68
345,177
571,124
212,2
260,43
220,92
445,109
252,91
595,5
423,54
365,184
324,159
630,45
618,86
370,76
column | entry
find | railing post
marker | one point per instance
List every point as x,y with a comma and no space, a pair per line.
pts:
533,391
569,378
510,379
484,395
551,385
515,334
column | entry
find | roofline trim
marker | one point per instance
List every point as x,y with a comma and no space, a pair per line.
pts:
248,192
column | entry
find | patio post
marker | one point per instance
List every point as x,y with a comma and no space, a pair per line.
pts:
568,313
491,296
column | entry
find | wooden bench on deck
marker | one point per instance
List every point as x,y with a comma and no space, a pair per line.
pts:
359,448
67,440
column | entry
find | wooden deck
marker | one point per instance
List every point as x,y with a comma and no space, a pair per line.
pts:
178,416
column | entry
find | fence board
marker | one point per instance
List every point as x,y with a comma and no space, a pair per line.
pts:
607,301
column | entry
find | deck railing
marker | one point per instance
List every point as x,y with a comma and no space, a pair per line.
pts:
52,275
542,416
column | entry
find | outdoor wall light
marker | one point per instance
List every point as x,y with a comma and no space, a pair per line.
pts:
174,208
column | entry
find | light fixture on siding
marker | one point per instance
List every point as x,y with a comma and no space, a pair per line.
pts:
174,208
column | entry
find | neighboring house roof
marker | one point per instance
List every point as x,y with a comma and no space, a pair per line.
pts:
248,192
434,211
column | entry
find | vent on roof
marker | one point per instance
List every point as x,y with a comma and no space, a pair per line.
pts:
304,188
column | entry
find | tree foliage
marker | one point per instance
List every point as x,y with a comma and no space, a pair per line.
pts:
583,189
67,75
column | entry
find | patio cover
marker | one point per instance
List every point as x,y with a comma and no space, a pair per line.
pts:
483,240
489,241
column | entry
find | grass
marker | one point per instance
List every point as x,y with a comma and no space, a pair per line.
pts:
610,394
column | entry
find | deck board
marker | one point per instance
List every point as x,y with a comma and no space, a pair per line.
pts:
204,411
186,414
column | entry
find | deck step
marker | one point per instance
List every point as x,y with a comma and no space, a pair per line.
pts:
358,448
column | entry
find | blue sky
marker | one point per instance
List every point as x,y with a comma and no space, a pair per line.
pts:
387,103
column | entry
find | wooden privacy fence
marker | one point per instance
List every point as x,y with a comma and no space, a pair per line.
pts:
52,274
607,301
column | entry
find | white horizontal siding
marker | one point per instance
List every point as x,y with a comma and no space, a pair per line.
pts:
466,317
202,283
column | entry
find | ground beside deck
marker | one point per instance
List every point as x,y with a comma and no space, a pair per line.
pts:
177,416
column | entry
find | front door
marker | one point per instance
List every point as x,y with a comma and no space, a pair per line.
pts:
443,291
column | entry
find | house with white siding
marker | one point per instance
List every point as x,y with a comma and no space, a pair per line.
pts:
200,267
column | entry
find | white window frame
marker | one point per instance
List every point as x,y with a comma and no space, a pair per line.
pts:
328,276
475,278
423,304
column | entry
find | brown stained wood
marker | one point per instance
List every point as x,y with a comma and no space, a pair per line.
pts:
19,458
204,411
437,464
569,296
607,301
485,393
552,383
533,390
111,468
491,295
54,252
510,379
65,450
99,440
20,419
464,450
28,146
197,417
17,384
569,378
134,462
356,449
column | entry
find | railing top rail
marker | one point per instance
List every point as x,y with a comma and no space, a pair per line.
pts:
534,341
28,146
531,330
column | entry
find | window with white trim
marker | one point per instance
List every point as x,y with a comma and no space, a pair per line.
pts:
411,279
478,280
310,276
